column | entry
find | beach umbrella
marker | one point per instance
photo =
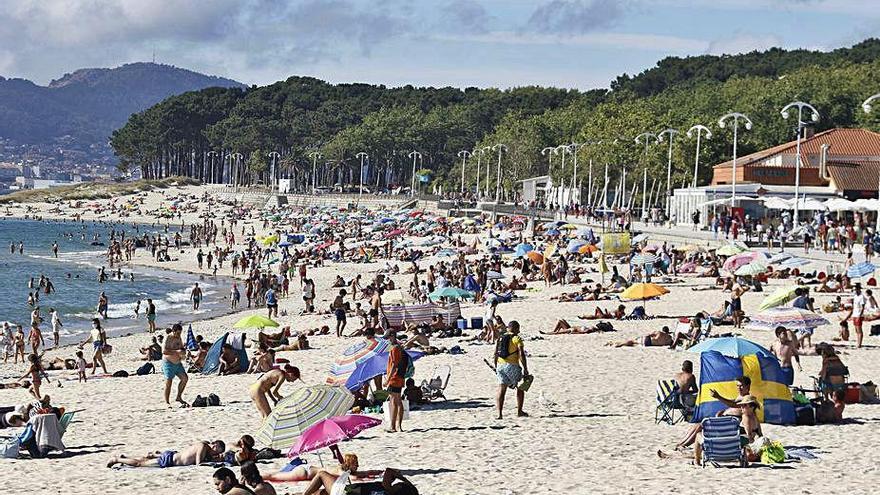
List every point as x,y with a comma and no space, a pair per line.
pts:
575,245
730,346
553,232
588,248
739,260
639,238
584,232
692,247
788,317
523,248
548,225
375,365
450,293
779,297
300,410
535,257
568,226
779,257
493,275
643,291
644,259
860,270
255,321
729,250
750,270
331,431
470,283
345,364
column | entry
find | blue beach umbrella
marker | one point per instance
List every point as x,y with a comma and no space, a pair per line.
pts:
730,346
574,245
523,248
372,367
860,270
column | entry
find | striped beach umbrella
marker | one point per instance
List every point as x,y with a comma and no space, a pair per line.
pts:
300,410
644,259
750,270
345,364
729,250
788,317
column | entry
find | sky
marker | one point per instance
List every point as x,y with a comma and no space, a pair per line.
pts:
580,44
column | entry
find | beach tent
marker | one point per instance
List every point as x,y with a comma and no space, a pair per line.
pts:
212,360
719,373
470,284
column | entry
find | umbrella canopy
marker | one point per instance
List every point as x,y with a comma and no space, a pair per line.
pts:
553,232
643,291
523,248
779,297
493,275
255,321
860,270
345,364
729,250
639,238
451,293
738,260
588,248
575,245
730,346
300,410
790,318
644,259
750,270
374,366
331,431
536,257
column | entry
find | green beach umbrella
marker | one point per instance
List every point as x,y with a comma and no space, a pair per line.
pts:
451,293
779,297
750,270
255,321
729,250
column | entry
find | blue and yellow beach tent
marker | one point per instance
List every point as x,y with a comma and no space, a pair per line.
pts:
719,372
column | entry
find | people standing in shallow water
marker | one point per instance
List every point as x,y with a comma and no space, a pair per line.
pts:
103,304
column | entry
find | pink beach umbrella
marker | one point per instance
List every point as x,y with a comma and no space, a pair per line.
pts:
739,260
331,431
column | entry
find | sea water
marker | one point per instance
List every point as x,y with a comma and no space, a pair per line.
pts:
74,273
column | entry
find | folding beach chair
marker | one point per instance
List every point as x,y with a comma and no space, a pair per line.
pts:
434,387
668,403
705,332
721,440
65,420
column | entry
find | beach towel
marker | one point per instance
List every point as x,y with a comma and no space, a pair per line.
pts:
46,432
421,313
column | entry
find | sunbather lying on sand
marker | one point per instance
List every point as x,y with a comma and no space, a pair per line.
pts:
563,327
193,455
661,338
602,314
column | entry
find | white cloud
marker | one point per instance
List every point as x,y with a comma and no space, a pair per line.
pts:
632,41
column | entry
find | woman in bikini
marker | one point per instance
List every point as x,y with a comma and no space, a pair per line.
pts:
99,339
269,384
35,370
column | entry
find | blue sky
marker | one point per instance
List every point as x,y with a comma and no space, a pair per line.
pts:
569,43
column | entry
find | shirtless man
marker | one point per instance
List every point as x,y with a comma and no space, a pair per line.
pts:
193,455
563,327
687,382
230,364
196,296
269,384
338,308
785,349
376,307
660,338
173,352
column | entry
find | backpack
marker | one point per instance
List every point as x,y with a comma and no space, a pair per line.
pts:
213,400
502,347
200,401
120,374
405,367
146,369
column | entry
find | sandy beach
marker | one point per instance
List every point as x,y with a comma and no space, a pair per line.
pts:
591,428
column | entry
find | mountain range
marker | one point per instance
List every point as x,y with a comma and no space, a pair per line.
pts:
80,110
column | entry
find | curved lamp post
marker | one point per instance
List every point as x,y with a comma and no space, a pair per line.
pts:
814,115
500,147
464,154
722,122
700,131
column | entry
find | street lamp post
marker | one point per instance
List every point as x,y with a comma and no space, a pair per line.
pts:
362,156
500,147
415,155
549,151
671,133
315,154
800,126
464,154
699,130
487,149
645,138
722,122
866,106
479,154
274,155
234,164
561,149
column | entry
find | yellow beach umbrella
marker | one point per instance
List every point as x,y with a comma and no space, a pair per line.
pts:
643,291
255,321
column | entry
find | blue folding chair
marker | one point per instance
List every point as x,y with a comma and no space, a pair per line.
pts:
721,440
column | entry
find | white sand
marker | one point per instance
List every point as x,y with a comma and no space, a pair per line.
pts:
604,441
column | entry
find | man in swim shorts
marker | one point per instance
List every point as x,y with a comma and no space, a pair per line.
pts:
193,455
173,353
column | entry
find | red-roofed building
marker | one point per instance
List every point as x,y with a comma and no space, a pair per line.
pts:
846,161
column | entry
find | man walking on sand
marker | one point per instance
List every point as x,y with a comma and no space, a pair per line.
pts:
172,355
509,354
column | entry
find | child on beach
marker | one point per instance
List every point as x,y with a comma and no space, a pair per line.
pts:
36,373
81,366
19,344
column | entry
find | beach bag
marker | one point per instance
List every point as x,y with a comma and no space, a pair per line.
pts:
386,410
146,369
772,453
502,348
213,400
405,368
200,401
9,449
120,374
605,326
